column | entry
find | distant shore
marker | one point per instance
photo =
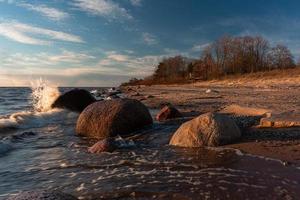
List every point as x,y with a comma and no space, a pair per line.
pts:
273,91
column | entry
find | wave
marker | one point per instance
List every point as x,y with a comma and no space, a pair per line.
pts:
5,147
32,119
43,95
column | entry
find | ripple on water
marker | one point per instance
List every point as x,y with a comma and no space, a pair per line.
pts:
56,159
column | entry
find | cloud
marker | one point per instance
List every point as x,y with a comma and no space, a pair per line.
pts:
51,13
149,39
25,61
71,57
136,2
104,8
64,69
88,80
28,34
128,64
200,47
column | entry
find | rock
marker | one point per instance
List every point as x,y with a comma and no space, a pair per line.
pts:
74,100
244,111
281,120
105,145
210,129
211,91
168,112
42,195
110,118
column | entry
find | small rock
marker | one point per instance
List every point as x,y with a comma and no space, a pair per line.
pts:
168,112
105,145
211,91
286,163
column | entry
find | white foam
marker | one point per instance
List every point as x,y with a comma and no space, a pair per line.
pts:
28,119
43,95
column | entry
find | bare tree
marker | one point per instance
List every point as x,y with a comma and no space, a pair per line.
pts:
280,57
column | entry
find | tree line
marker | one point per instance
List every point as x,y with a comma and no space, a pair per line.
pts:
226,56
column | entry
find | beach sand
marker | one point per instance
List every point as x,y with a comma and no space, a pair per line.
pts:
277,95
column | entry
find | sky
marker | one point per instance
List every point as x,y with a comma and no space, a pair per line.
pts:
106,42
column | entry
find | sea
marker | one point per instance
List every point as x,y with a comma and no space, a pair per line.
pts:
39,150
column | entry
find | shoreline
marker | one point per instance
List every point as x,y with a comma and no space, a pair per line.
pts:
213,96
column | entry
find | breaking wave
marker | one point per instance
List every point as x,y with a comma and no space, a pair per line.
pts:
43,95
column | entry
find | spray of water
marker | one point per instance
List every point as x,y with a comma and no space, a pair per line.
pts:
43,95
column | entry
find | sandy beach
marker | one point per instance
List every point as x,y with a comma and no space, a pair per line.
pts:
279,96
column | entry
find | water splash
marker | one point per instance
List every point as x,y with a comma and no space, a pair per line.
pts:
43,95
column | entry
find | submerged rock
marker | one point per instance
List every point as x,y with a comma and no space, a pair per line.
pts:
210,129
168,112
42,195
105,145
110,144
75,100
110,118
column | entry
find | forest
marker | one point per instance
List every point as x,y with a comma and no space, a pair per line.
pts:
226,56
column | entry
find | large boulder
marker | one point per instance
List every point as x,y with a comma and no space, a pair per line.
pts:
168,112
42,195
210,129
75,100
110,118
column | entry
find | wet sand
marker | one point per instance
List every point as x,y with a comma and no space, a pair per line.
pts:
276,95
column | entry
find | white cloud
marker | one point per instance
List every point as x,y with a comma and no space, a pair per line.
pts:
28,34
51,13
136,2
69,56
129,65
149,39
114,68
200,47
19,60
104,8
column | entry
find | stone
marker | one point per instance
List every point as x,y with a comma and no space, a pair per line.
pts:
245,111
210,129
168,112
111,118
281,120
105,145
75,100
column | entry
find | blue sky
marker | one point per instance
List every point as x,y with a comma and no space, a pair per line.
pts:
105,42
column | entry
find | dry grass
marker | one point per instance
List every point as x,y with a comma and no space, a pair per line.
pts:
274,77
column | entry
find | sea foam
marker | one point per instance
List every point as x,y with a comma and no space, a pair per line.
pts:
43,95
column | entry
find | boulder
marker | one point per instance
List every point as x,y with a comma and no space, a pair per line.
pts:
210,129
42,195
168,112
105,145
75,100
110,118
